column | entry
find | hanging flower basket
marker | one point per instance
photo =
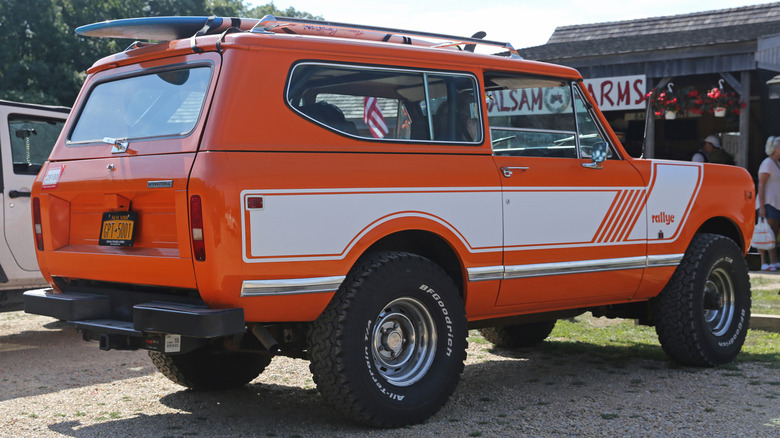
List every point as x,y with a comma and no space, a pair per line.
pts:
664,103
719,102
690,102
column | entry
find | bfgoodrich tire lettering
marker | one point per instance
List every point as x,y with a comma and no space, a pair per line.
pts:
702,314
389,349
208,369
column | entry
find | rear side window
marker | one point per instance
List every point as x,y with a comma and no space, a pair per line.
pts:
387,104
162,104
32,139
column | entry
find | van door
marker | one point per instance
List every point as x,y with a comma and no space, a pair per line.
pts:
26,144
572,232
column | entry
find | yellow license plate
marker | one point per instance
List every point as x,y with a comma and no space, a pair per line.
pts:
118,228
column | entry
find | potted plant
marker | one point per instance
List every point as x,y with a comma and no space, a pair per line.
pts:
692,102
664,103
719,101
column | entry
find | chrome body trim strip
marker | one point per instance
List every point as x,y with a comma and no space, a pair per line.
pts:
291,286
578,267
657,261
486,273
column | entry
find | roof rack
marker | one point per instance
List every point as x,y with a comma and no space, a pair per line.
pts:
301,26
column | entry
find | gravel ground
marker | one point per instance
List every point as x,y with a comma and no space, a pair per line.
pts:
55,384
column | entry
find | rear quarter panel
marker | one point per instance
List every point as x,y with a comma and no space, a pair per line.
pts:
335,195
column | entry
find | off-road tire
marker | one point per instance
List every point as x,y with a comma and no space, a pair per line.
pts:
359,362
207,369
702,315
518,335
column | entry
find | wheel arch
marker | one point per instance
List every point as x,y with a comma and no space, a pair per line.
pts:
725,227
426,244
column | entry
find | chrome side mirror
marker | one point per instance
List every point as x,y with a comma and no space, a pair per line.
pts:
598,154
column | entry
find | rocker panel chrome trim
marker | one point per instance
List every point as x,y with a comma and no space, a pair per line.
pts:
577,267
656,261
486,273
292,286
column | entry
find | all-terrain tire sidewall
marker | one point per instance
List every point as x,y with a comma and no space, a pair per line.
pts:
367,395
690,340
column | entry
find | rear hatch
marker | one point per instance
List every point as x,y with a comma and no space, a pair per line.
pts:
113,196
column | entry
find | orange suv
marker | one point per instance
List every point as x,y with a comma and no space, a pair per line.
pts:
362,197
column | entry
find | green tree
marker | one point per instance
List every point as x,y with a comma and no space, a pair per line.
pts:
42,60
270,9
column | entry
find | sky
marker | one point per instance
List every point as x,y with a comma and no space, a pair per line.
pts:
522,23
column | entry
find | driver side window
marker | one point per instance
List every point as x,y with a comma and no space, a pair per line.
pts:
538,117
588,131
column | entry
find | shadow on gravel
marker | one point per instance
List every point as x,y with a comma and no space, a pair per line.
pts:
253,410
56,358
522,394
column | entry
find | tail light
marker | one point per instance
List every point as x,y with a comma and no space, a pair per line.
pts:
196,228
37,226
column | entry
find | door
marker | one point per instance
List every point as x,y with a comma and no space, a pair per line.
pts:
25,144
573,231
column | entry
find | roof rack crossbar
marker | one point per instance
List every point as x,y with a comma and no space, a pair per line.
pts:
269,22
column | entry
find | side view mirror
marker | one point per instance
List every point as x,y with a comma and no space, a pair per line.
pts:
598,154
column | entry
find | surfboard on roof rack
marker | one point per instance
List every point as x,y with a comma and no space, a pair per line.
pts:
164,28
174,28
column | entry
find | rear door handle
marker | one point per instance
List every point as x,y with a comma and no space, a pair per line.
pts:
18,194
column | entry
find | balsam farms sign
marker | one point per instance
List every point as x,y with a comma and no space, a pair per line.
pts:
611,94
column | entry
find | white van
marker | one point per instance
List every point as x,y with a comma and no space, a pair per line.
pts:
26,138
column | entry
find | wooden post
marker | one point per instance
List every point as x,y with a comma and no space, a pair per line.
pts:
649,146
744,121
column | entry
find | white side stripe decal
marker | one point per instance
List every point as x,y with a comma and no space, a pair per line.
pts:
325,224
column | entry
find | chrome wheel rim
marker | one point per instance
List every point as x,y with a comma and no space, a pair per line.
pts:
403,341
719,302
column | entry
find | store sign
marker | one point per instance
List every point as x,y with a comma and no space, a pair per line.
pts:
526,101
619,93
612,94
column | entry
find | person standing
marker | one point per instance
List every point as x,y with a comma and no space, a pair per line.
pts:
769,196
711,143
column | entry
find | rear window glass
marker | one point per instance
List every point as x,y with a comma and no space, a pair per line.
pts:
162,104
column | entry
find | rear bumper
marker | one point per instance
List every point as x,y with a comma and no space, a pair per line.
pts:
154,325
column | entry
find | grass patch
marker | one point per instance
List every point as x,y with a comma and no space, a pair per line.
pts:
765,296
619,341
766,301
476,338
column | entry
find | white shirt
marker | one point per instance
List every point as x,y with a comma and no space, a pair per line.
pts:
772,185
700,157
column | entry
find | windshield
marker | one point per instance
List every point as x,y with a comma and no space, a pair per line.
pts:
162,104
